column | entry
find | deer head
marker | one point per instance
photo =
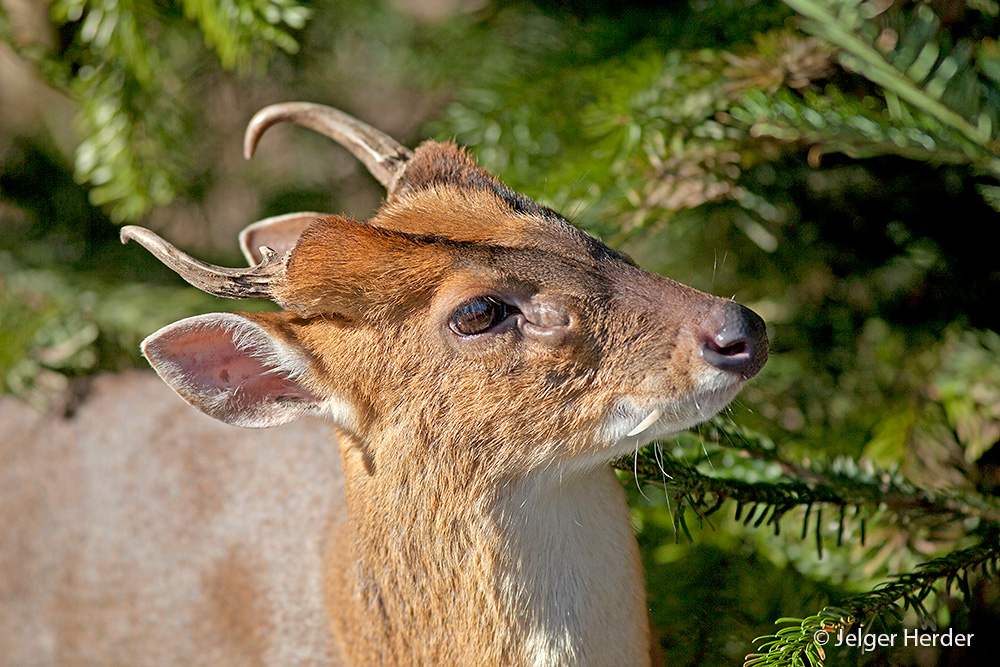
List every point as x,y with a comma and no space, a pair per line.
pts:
462,341
460,303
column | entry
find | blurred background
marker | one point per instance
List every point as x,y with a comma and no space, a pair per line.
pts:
833,164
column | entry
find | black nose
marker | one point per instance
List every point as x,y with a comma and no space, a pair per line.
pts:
740,344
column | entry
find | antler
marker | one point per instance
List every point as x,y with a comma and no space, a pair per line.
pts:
384,157
257,282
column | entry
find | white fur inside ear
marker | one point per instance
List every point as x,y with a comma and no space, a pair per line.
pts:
230,368
279,233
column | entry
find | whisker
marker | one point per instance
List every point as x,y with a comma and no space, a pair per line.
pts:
635,472
583,203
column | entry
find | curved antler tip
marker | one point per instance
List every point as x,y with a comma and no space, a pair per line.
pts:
250,143
129,232
264,119
384,157
253,283
254,131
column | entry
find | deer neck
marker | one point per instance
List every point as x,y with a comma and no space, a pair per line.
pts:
451,566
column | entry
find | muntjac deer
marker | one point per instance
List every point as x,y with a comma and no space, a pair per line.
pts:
481,362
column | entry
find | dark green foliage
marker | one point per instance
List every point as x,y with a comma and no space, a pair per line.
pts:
73,300
802,642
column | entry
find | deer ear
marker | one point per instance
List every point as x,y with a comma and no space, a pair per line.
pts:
278,233
231,368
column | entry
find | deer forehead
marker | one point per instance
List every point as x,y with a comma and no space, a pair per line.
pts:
492,216
417,250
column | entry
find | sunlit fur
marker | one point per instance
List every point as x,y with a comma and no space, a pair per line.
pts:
483,525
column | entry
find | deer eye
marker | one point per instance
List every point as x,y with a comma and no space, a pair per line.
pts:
479,315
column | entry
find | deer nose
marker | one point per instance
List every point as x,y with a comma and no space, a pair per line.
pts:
740,344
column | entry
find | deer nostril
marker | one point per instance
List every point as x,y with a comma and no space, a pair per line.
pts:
729,350
740,344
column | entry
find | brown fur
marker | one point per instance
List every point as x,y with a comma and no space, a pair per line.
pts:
484,525
435,447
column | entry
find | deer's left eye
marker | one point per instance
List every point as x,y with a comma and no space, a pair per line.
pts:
479,315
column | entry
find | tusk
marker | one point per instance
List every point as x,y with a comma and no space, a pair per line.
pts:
650,419
257,282
384,157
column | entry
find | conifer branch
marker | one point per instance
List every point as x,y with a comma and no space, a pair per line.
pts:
801,642
129,86
842,485
861,55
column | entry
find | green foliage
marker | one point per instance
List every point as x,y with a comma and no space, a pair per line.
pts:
801,643
73,300
841,484
124,157
243,32
796,645
928,84
56,327
968,387
125,62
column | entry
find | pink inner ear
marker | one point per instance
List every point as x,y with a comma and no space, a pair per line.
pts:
213,362
229,368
